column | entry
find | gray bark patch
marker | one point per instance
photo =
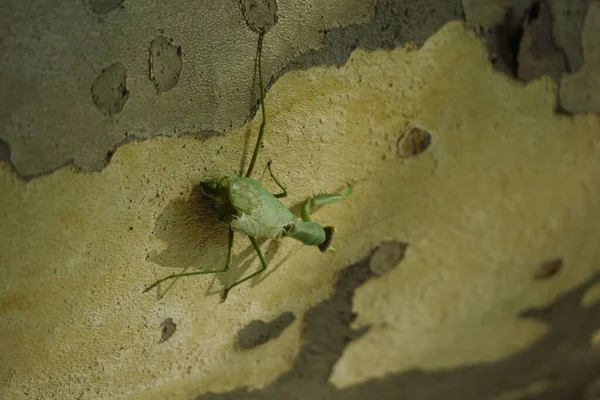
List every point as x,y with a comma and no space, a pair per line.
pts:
387,256
548,269
563,364
413,142
167,328
260,15
104,6
259,332
109,91
165,64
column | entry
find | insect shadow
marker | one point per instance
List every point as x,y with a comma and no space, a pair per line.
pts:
195,239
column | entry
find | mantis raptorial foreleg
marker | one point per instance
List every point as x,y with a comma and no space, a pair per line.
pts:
263,266
324,199
212,271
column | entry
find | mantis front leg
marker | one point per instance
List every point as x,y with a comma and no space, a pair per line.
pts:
323,199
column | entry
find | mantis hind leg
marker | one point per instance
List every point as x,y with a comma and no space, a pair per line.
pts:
212,271
324,199
263,266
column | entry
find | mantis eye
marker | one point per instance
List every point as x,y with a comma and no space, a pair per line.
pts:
329,233
210,188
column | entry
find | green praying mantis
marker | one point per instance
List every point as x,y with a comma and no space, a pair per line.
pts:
249,208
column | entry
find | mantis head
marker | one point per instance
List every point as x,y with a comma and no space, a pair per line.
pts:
211,189
216,192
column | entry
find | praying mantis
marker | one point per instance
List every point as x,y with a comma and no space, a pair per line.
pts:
248,208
